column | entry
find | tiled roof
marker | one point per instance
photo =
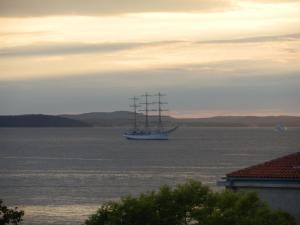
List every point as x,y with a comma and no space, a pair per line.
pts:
287,167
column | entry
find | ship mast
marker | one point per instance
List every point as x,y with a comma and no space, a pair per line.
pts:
160,109
146,110
135,106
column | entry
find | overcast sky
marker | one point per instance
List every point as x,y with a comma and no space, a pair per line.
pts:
211,57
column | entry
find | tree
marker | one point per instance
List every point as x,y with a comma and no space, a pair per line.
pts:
190,203
10,216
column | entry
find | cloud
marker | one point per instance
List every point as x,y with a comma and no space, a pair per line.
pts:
258,39
20,8
110,92
22,33
49,49
274,1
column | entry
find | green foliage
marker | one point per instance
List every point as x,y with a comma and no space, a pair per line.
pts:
10,216
190,203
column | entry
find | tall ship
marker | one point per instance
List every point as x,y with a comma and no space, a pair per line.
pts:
147,132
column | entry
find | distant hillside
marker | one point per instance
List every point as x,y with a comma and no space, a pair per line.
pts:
39,121
124,118
242,121
109,119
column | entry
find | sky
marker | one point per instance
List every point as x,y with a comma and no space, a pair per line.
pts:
211,57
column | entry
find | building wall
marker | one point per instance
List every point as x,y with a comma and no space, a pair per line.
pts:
286,199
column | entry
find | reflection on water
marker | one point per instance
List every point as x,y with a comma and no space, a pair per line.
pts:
61,175
61,214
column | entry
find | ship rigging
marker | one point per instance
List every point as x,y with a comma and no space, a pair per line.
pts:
148,132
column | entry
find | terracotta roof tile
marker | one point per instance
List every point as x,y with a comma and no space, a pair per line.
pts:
287,167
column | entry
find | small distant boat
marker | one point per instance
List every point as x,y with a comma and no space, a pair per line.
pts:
148,133
280,128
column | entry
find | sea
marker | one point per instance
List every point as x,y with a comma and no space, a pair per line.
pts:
61,176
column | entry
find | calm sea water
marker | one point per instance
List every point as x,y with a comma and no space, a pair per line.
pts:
61,175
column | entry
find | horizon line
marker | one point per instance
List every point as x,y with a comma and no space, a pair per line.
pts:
176,115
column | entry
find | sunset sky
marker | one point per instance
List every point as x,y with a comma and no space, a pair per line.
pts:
211,57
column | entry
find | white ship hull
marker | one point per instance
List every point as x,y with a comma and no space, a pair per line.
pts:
151,136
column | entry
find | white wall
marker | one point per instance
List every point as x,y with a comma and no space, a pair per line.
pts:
286,199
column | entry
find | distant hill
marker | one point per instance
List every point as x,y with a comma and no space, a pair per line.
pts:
242,121
109,119
125,119
117,118
39,121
